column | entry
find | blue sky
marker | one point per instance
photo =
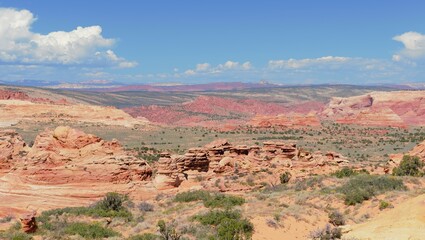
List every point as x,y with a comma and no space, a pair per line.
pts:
287,42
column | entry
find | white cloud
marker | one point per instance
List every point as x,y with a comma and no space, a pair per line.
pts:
301,63
414,45
81,46
202,67
206,68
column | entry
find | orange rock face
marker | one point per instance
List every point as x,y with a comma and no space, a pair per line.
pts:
11,148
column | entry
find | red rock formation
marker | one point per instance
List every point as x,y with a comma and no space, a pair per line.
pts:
203,111
28,222
67,155
11,148
17,95
398,108
220,157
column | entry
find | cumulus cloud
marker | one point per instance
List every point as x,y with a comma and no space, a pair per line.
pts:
414,45
206,68
81,46
301,63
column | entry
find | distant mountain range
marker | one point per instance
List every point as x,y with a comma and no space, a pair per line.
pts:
108,86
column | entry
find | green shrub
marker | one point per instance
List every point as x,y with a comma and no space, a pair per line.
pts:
285,177
89,231
191,196
383,205
112,202
409,166
363,187
221,200
210,200
144,236
348,172
336,218
235,229
229,224
215,217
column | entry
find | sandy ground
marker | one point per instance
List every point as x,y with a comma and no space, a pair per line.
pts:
405,221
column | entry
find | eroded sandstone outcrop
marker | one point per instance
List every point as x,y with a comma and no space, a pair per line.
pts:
12,147
69,155
222,158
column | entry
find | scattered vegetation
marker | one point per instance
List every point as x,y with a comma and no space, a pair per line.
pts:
348,172
210,200
89,230
363,187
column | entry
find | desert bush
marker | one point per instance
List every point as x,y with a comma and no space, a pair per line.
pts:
304,184
285,177
103,208
229,224
409,166
383,205
348,172
6,219
145,207
144,236
336,218
327,233
89,230
168,232
210,200
221,200
112,202
191,196
363,187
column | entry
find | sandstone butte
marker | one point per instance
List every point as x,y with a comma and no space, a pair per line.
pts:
397,109
64,167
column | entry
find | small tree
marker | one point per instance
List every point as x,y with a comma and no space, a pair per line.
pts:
409,166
